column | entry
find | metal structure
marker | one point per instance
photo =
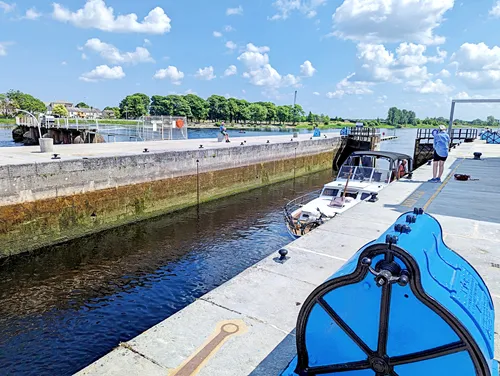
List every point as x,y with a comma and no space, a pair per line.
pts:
297,203
424,142
491,137
403,305
454,101
163,128
146,128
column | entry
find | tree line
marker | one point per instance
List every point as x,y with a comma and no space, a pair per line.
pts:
215,108
218,108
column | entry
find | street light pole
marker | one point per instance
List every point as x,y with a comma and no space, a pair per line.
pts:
36,120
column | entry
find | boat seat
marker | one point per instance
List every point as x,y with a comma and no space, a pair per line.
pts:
377,176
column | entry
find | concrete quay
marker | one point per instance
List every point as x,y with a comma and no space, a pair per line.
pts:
246,326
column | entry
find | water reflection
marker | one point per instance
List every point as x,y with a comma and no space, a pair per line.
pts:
64,307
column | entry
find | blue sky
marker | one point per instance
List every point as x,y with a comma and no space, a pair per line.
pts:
350,58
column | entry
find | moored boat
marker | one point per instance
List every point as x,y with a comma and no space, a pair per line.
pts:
361,178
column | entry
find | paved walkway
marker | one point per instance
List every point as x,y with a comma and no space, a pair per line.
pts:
31,154
246,326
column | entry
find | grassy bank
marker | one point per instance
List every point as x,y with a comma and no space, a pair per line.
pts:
7,121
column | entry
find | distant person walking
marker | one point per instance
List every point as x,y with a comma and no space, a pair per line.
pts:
223,130
441,147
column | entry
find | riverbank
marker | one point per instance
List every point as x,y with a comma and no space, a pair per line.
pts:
99,186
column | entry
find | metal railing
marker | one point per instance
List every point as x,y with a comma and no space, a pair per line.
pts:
298,203
457,135
145,129
163,127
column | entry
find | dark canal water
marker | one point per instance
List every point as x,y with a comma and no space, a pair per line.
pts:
65,307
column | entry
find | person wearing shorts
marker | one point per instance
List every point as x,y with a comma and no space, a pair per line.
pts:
441,147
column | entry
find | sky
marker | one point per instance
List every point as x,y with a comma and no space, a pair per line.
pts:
348,58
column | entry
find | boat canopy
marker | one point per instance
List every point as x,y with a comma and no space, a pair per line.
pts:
393,157
382,154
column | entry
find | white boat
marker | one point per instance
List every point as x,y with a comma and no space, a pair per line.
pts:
361,178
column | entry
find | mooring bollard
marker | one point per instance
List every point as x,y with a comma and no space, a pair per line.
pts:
404,304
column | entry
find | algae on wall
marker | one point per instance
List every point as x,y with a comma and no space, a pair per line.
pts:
31,225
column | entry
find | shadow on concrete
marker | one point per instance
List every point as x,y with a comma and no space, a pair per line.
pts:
277,361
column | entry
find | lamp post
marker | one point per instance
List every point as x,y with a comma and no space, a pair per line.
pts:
36,120
46,144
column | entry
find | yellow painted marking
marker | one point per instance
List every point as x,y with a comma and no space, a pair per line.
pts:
443,184
412,200
224,331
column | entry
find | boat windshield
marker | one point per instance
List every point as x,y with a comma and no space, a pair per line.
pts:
364,174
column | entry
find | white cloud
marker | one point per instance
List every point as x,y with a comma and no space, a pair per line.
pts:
95,14
230,71
254,57
287,7
113,55
217,34
231,45
206,74
495,11
431,87
172,73
439,58
378,21
228,28
307,69
316,93
381,99
478,65
147,42
260,72
190,91
234,11
351,87
406,64
444,73
84,56
64,63
103,72
6,7
32,14
3,48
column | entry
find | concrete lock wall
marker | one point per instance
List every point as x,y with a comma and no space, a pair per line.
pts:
47,203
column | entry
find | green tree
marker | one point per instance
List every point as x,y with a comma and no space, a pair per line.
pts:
284,114
412,118
394,116
116,110
82,105
490,120
198,106
310,117
26,102
217,108
60,111
134,106
7,107
180,106
297,113
272,111
233,109
404,117
161,106
243,111
258,113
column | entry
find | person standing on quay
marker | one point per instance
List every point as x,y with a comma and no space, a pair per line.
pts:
441,147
